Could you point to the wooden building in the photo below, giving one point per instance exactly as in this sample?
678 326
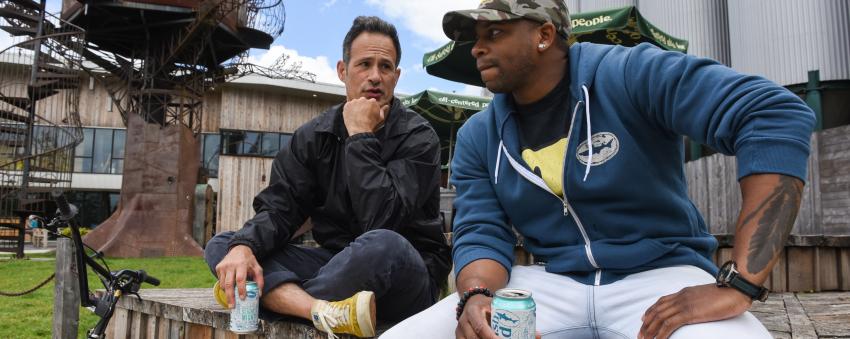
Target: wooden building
245 122
245 117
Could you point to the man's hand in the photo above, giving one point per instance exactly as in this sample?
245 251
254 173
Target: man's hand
474 322
235 266
363 115
691 305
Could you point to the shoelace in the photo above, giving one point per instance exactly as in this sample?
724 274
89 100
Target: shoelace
329 317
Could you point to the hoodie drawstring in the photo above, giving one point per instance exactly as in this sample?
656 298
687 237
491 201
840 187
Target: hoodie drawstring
589 134
498 160
589 138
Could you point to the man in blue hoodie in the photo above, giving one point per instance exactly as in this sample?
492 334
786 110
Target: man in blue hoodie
581 153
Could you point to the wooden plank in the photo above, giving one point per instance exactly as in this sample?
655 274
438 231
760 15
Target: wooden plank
66 292
718 196
212 111
138 325
801 326
733 194
724 254
779 274
836 135
152 331
829 312
844 269
698 187
163 328
772 315
827 269
805 223
800 269
268 109
178 330
122 323
196 331
241 179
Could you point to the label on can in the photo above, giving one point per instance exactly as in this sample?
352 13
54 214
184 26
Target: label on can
513 314
244 315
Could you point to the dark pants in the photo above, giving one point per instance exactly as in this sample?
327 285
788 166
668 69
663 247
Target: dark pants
380 261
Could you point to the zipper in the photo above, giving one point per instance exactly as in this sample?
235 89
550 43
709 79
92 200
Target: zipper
568 209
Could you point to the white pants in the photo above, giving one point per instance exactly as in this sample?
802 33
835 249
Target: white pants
568 309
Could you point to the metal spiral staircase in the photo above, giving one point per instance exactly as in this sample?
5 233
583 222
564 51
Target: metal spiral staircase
39 117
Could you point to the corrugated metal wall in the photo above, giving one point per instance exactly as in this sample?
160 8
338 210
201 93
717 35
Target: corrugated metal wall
704 23
784 39
580 6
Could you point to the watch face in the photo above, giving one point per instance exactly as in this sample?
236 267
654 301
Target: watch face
725 273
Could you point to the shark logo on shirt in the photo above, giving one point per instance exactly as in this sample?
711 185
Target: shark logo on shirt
605 146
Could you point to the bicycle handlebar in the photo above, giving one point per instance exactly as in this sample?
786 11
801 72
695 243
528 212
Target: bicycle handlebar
66 210
145 277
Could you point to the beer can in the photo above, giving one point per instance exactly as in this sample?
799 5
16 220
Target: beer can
244 315
513 314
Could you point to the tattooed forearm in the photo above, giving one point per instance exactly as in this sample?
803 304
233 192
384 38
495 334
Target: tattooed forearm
776 218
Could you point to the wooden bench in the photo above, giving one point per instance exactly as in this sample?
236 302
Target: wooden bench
192 313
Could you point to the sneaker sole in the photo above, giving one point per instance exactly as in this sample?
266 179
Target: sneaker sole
366 301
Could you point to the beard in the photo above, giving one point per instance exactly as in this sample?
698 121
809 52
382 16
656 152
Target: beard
513 75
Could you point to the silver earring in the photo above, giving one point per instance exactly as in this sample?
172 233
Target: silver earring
541 46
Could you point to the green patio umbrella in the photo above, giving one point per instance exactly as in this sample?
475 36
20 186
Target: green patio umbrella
620 26
446 112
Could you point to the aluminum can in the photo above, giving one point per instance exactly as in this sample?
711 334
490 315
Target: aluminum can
244 315
513 314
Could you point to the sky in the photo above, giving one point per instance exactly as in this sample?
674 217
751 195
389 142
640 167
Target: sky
315 29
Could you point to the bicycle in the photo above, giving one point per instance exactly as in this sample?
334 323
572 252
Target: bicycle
117 283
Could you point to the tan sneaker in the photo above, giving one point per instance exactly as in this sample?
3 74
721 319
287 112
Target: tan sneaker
355 315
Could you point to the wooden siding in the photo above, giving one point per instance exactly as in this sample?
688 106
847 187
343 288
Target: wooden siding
240 179
260 109
212 111
825 209
95 106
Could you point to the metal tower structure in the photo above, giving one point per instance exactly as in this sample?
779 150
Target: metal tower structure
39 119
156 59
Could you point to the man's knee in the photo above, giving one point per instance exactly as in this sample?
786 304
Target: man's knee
216 249
384 242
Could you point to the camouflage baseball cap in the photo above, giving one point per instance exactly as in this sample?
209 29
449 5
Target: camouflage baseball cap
460 25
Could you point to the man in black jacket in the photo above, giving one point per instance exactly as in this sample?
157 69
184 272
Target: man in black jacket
367 174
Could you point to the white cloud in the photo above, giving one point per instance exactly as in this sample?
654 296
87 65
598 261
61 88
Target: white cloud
425 18
324 69
6 40
328 4
472 90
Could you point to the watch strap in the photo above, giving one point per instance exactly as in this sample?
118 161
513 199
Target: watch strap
753 291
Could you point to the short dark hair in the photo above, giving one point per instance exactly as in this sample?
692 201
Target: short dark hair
371 24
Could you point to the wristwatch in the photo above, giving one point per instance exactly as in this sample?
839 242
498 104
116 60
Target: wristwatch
729 277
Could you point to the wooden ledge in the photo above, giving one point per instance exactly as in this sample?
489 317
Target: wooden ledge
191 313
728 240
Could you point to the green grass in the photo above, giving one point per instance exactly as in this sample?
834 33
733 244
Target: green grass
31 316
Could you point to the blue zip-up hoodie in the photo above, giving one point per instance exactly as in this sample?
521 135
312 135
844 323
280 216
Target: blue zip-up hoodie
626 208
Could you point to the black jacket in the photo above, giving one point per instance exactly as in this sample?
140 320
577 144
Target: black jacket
350 185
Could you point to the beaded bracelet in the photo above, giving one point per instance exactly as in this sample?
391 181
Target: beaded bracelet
468 294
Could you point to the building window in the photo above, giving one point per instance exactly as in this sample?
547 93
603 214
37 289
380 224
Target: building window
101 151
99 205
83 153
118 142
261 144
210 149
